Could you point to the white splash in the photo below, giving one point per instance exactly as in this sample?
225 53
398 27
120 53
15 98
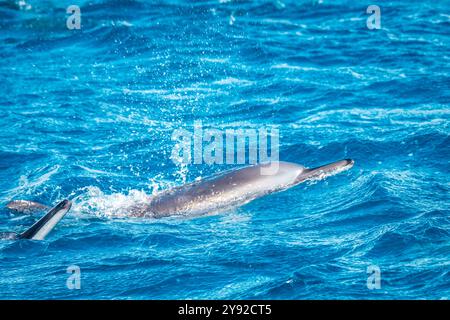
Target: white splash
92 200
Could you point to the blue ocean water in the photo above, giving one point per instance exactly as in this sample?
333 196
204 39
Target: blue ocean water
88 115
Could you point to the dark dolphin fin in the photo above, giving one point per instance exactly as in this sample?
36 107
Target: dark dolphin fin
41 228
326 170
25 206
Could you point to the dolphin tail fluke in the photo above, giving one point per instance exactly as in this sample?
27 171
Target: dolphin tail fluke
41 228
25 206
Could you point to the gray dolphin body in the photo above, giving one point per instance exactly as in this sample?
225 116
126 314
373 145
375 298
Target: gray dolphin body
232 189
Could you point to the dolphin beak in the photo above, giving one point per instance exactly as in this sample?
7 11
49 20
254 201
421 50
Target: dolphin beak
66 204
325 170
43 226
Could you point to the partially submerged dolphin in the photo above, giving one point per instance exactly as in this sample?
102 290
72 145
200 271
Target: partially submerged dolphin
232 189
43 226
214 194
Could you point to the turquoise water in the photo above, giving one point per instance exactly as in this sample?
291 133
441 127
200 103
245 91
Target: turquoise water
88 115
